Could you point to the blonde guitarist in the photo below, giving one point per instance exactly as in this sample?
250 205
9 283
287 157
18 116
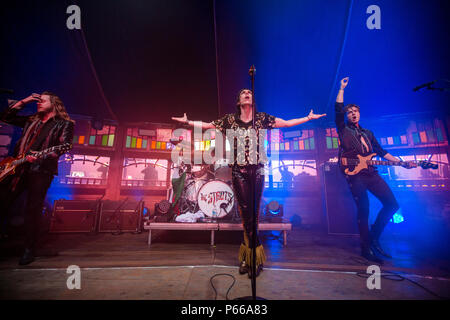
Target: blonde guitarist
357 142
49 129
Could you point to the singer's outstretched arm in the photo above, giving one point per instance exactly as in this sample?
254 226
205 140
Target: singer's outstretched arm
196 124
280 123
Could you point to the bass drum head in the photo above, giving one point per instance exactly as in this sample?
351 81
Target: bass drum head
216 199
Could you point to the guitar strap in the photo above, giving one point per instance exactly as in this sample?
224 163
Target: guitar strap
16 179
24 151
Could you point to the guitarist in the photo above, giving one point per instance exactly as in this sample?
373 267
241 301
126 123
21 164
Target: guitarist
356 140
49 126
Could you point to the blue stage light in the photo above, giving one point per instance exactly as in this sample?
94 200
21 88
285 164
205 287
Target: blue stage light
398 217
274 211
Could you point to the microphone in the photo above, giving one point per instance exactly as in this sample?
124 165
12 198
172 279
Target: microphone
252 70
424 85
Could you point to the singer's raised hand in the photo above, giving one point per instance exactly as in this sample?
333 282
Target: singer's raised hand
344 82
181 119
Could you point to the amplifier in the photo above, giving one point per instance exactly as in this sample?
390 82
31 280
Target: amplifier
121 216
74 216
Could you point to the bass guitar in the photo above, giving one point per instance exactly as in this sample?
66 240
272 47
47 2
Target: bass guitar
363 162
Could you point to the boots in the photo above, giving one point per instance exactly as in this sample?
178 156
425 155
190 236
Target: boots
243 268
27 258
370 255
375 246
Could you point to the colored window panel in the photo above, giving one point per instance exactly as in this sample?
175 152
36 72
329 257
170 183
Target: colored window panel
129 132
383 141
282 146
277 146
396 140
431 136
302 145
202 145
335 143
312 143
144 144
128 142
329 143
92 140
153 145
111 140
423 136
328 132
139 143
163 146
296 145
133 142
105 140
208 144
306 144
81 139
287 146
75 139
439 134
403 140
390 141
158 145
416 138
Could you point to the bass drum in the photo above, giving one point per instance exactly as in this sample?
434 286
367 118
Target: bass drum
216 199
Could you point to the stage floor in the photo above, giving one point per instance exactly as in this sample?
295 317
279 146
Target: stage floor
180 264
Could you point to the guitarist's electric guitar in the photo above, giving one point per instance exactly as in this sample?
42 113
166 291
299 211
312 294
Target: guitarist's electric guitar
9 165
363 162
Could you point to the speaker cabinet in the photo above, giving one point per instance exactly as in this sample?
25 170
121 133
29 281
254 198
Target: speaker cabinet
121 216
74 216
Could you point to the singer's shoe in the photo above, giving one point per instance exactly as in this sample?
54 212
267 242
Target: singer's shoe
377 248
370 255
27 258
258 270
243 268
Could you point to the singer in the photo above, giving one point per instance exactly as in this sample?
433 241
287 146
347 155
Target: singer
50 126
243 168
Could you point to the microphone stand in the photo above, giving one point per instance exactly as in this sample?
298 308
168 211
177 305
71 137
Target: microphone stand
252 72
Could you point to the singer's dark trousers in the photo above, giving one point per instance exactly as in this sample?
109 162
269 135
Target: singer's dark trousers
243 178
359 185
35 185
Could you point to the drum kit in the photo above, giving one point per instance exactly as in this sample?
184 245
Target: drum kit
208 190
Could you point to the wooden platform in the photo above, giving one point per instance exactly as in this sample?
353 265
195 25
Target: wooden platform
219 226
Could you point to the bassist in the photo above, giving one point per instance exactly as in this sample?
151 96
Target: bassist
50 126
355 140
